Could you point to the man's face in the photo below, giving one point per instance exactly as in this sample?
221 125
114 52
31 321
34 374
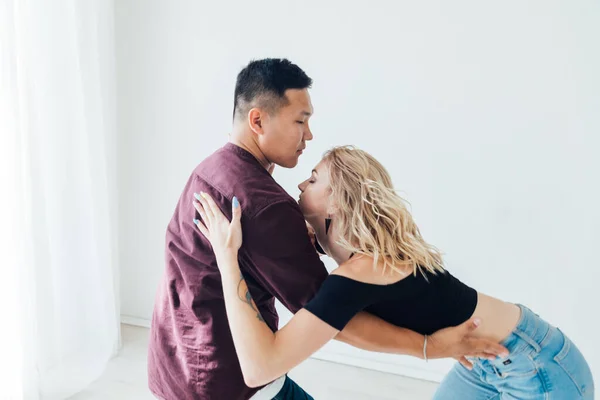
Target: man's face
285 133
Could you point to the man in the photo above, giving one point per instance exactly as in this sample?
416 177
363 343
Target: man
191 352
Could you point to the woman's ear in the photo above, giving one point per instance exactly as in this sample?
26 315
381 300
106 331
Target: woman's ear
331 209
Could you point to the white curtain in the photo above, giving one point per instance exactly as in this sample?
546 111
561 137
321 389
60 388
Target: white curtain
58 282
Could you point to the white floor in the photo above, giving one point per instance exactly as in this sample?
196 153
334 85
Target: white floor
125 378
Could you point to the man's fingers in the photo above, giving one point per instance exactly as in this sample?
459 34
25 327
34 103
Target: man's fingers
465 363
497 349
482 354
471 324
491 348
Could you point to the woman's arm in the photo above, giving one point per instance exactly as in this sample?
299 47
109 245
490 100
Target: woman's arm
264 355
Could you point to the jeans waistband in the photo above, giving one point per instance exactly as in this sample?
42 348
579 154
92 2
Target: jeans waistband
530 332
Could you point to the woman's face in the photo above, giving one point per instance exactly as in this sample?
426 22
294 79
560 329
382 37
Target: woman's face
314 195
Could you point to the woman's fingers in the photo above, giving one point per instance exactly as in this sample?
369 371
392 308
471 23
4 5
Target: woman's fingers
202 228
236 211
216 211
211 214
202 213
205 206
198 207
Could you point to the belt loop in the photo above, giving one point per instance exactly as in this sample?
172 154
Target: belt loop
528 339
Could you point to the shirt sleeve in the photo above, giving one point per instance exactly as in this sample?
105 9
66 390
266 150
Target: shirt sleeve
339 299
283 259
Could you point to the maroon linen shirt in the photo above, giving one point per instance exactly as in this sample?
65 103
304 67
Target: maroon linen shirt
191 353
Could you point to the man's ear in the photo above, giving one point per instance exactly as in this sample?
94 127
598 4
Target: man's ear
255 120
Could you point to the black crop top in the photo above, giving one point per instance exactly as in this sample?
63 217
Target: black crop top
415 303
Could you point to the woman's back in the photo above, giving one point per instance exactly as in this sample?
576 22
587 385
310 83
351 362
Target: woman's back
423 302
425 305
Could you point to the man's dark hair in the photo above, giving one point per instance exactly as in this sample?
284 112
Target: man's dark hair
263 84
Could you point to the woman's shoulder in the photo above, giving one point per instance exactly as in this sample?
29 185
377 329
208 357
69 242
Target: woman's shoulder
355 268
361 268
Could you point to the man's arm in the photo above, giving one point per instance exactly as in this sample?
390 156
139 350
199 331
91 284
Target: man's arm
371 333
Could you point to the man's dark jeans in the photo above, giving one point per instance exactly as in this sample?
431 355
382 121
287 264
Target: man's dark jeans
291 391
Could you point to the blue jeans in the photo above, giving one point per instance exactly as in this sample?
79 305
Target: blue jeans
291 391
543 364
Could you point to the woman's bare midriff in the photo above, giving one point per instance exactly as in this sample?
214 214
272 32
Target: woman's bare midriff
498 318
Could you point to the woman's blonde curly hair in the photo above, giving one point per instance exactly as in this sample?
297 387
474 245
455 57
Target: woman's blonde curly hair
371 218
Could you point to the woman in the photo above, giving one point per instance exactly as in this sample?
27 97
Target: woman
387 268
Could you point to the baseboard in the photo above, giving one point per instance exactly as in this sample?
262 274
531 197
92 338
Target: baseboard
135 321
391 368
339 358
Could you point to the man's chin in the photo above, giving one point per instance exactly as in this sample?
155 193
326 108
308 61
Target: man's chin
290 163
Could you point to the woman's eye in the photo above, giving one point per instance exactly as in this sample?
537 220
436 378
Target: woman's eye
300 122
311 181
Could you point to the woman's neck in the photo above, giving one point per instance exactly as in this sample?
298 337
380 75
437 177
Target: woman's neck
328 243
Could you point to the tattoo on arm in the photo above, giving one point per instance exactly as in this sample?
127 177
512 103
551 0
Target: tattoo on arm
247 298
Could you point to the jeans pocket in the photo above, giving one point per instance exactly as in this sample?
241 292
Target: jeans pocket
519 365
570 359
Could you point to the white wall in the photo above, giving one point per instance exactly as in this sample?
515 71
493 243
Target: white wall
486 115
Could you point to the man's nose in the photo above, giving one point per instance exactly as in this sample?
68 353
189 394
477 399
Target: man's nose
308 134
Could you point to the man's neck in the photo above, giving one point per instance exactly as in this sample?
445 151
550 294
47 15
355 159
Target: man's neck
246 142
